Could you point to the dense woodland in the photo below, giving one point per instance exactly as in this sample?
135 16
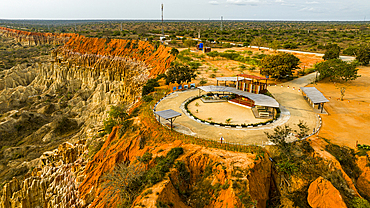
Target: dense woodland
305 36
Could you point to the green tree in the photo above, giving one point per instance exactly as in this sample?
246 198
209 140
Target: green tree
124 181
180 73
213 54
174 52
189 43
279 65
116 116
258 41
203 81
350 51
332 52
275 45
279 137
363 54
149 87
303 129
195 64
337 69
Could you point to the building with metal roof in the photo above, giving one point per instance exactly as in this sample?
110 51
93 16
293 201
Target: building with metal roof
233 79
170 115
258 99
314 97
252 83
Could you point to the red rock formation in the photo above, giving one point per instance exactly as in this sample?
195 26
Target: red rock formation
98 48
255 179
96 51
363 182
36 38
322 194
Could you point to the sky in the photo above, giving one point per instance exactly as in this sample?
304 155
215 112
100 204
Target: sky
309 10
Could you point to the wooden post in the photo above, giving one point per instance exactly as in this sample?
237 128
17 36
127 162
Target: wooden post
322 107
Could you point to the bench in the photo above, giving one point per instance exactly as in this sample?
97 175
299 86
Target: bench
264 114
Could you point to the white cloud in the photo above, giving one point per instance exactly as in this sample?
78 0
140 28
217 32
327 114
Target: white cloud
242 2
279 1
214 2
312 2
288 4
313 10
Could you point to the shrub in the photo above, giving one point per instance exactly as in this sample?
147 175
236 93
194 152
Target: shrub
146 158
147 98
116 116
287 167
358 202
125 181
164 164
346 157
149 86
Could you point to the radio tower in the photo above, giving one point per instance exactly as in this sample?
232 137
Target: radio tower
222 18
162 22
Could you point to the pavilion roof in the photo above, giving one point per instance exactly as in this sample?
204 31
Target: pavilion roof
168 114
252 76
234 79
314 95
259 99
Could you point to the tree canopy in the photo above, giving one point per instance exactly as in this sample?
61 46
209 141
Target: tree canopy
180 73
213 54
332 52
337 69
279 65
363 54
149 86
189 43
258 41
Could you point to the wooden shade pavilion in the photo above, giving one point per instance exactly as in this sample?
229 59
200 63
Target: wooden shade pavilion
314 97
251 83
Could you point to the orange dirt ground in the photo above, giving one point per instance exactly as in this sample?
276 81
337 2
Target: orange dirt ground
348 120
228 68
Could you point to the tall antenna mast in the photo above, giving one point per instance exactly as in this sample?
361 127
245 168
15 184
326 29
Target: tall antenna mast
162 22
222 18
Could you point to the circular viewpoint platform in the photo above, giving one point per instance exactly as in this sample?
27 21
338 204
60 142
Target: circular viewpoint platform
293 108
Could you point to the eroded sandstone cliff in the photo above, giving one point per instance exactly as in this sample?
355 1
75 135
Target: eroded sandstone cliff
66 98
35 38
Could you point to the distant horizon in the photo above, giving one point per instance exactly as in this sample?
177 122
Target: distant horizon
243 10
157 19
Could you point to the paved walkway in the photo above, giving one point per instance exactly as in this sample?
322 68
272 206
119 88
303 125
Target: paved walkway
294 108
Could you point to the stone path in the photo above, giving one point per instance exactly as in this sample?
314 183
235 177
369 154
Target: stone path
294 108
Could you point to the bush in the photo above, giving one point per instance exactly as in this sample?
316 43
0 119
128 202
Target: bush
346 157
147 98
149 86
287 167
146 158
358 202
164 164
125 181
116 116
